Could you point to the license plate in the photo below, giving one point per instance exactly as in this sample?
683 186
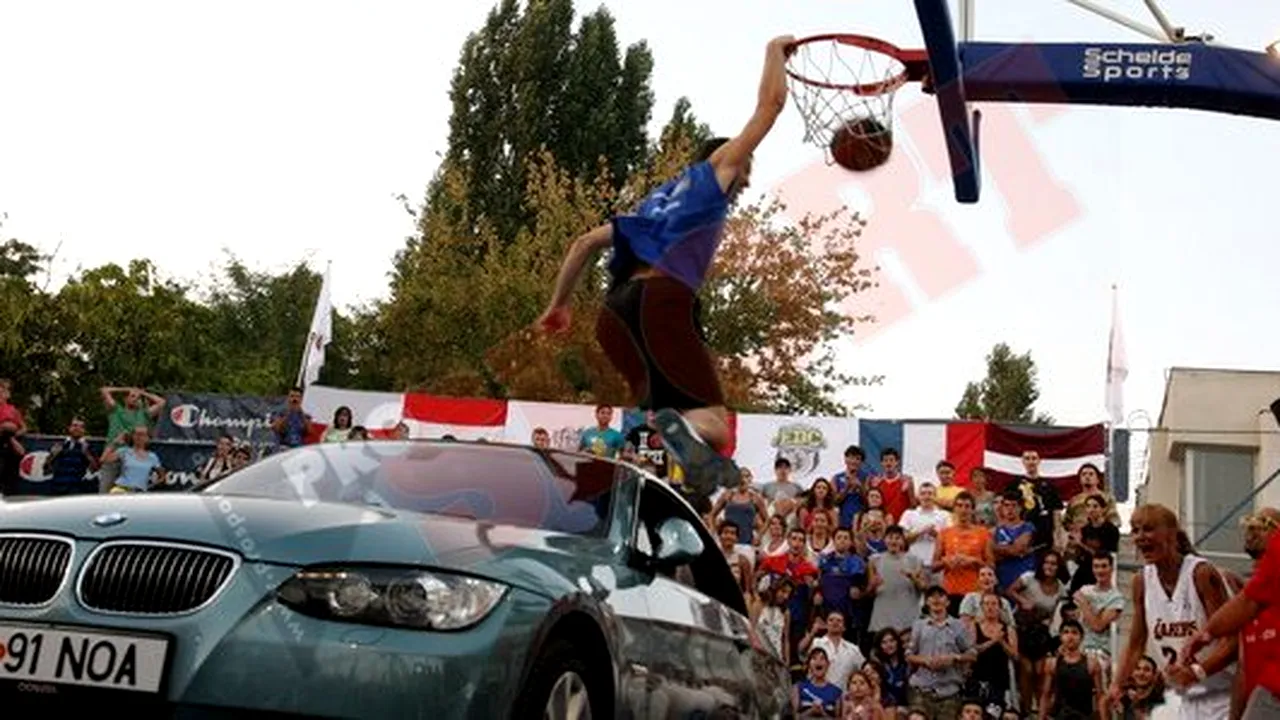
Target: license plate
30 654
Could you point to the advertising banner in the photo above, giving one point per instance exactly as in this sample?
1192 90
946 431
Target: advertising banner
563 421
206 417
814 445
181 458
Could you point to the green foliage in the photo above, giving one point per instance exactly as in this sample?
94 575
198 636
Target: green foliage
684 127
19 261
241 332
547 140
527 80
1007 394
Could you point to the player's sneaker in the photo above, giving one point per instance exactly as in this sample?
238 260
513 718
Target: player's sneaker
705 469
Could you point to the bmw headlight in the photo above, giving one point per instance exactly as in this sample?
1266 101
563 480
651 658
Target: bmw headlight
389 596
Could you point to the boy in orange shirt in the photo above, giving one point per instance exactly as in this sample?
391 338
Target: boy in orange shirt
962 549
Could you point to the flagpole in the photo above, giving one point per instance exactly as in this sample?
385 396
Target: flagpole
306 349
1111 420
1112 402
306 355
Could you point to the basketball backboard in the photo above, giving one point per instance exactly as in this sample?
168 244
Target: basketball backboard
1174 70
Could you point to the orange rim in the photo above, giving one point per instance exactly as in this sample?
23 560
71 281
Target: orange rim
914 63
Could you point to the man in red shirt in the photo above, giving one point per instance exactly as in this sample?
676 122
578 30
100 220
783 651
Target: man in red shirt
794 564
897 490
10 416
1255 614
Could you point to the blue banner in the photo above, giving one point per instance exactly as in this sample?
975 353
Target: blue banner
181 458
202 416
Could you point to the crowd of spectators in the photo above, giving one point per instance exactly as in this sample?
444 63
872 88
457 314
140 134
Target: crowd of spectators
885 595
127 462
893 596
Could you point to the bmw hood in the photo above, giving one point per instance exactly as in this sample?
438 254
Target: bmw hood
298 534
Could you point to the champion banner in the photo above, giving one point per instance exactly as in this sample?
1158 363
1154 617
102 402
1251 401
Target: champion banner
182 458
206 417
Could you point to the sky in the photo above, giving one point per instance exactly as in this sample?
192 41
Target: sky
282 131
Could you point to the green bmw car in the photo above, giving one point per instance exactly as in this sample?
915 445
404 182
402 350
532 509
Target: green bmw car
381 580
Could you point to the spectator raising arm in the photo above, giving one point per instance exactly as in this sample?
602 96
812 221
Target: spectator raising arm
155 403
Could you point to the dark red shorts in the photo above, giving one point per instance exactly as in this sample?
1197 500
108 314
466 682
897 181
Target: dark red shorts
650 331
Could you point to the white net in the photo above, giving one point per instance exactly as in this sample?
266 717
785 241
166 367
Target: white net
837 84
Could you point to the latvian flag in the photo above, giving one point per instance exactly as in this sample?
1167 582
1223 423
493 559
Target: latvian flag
997 448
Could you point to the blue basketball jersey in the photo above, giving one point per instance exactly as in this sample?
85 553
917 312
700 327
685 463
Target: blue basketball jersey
676 229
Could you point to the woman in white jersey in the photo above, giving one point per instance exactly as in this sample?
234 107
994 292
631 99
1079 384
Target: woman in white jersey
1173 598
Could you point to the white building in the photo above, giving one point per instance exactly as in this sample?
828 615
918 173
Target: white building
1216 440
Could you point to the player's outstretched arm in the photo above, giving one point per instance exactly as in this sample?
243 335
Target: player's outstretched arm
556 316
729 159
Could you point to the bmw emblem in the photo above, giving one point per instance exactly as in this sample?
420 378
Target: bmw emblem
109 519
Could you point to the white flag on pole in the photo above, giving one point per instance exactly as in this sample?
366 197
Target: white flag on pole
1117 365
320 335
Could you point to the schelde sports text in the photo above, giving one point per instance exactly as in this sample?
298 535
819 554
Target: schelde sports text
1109 64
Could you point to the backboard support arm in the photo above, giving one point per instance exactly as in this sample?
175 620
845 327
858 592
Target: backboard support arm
1119 19
1174 34
967 19
946 81
1165 33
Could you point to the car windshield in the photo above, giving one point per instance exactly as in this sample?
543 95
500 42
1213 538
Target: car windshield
501 484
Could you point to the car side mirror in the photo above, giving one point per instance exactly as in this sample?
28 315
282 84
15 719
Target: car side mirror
678 543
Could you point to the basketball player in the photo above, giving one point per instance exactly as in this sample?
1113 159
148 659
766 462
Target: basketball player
650 327
1173 598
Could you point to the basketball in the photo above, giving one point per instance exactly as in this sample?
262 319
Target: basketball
862 144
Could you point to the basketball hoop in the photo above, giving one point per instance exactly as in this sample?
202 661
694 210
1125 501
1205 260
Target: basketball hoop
843 86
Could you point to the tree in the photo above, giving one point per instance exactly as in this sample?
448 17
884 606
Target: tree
683 127
457 326
239 331
33 335
275 309
527 81
547 139
1007 394
20 261
133 326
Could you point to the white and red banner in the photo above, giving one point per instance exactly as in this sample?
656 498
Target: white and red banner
814 445
462 418
564 422
378 412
